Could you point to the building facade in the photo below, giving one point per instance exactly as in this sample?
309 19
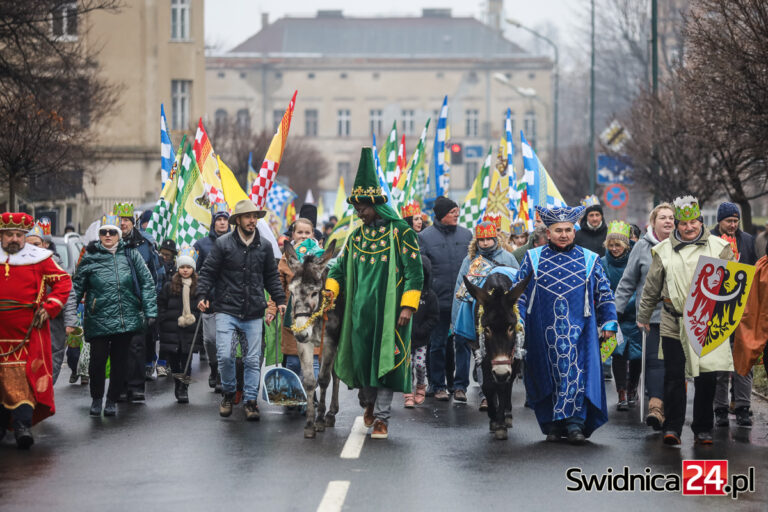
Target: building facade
356 76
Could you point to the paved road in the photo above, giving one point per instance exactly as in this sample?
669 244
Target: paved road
438 457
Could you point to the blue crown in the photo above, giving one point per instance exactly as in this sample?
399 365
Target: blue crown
219 208
111 221
187 252
590 201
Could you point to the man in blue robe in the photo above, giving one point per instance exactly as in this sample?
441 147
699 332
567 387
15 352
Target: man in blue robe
567 309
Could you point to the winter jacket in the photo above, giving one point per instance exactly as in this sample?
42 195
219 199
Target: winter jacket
614 269
426 317
107 283
446 248
632 281
761 243
169 309
590 238
519 253
235 276
745 243
203 247
146 248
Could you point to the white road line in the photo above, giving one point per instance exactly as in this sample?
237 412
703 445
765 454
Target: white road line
334 496
354 444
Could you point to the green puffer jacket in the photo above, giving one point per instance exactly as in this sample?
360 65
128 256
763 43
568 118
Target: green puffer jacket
105 280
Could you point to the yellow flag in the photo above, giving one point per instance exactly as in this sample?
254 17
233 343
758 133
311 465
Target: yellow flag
341 200
233 192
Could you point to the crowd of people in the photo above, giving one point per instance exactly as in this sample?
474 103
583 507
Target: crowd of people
136 310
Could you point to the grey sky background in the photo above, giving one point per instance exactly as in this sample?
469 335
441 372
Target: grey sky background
229 22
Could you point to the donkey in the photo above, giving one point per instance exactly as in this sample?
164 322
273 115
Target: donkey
307 300
496 322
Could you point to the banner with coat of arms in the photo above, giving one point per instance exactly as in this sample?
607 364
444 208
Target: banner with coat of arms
715 302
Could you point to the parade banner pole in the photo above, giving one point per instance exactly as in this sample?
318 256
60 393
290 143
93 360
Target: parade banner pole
641 397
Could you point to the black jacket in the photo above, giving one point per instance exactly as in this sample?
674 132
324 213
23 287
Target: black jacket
146 248
169 309
235 275
745 243
592 239
445 247
426 317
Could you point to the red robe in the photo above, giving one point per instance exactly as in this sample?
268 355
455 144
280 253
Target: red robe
26 375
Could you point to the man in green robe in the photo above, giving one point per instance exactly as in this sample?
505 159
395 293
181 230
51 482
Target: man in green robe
380 274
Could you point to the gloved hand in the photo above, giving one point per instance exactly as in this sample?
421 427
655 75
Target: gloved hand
41 316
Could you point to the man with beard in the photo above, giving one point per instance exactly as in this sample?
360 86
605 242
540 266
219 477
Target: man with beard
26 380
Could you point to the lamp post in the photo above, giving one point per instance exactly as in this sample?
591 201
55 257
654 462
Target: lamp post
592 169
524 92
557 78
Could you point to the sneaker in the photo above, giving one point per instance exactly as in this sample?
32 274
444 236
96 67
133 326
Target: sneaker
212 379
721 417
379 430
704 438
460 396
24 437
743 418
73 378
671 438
251 410
409 401
182 395
110 408
238 397
442 395
632 397
622 404
368 417
218 388
95 407
162 371
225 407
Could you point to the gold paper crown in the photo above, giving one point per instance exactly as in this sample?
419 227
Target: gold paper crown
411 209
687 208
518 228
219 207
123 210
494 218
590 201
189 252
618 227
485 229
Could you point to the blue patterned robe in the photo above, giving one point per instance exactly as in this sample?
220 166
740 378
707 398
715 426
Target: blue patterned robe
565 305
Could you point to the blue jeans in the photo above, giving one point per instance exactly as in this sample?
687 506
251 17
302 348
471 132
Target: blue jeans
293 363
229 332
437 345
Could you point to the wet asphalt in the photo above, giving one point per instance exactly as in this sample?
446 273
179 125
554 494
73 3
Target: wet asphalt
161 455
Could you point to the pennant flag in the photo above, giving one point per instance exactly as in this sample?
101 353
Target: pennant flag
166 148
278 199
233 192
309 198
320 208
382 178
252 174
271 163
389 155
163 220
341 200
512 189
417 162
441 155
401 165
540 187
477 198
207 165
290 213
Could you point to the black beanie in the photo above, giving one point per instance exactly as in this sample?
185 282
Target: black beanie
594 208
309 212
442 206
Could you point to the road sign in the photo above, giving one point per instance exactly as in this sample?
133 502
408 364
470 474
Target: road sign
613 170
615 136
616 196
475 151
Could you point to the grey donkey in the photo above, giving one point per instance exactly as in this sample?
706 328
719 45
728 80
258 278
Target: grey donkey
307 300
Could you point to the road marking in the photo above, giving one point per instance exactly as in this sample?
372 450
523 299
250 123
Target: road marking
334 496
354 444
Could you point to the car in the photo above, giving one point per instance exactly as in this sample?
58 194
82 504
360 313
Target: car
68 248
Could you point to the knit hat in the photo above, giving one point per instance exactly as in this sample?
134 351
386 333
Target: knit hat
187 256
593 208
145 216
169 245
726 210
618 230
367 189
442 206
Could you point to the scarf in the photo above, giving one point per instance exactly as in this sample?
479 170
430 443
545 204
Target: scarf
187 318
490 252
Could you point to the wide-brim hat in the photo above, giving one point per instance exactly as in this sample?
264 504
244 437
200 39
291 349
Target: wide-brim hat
367 189
245 206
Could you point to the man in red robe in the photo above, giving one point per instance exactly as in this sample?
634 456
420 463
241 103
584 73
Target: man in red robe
26 382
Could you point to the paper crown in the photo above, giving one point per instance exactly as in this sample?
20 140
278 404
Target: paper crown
37 231
687 208
187 256
518 228
590 201
123 210
219 207
485 229
16 220
619 230
45 225
411 209
110 221
494 218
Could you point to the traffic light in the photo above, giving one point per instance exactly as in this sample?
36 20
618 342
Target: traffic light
457 153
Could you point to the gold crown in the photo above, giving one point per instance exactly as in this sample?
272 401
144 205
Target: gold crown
485 230
411 209
494 218
17 220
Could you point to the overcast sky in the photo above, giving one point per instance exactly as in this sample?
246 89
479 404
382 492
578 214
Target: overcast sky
230 22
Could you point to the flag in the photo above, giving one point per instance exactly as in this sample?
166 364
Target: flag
477 198
252 174
271 163
207 164
163 220
278 199
309 198
389 155
401 163
417 162
320 208
290 213
540 187
194 215
512 191
166 148
382 177
233 192
441 175
341 200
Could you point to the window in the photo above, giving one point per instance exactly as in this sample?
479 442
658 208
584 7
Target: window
310 76
472 116
180 99
345 170
243 75
179 20
531 76
64 21
529 128
221 74
277 118
310 122
343 75
343 122
470 173
220 119
377 121
408 123
244 120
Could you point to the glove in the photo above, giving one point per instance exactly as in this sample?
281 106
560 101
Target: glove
41 316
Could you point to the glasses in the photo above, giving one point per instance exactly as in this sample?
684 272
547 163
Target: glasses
108 232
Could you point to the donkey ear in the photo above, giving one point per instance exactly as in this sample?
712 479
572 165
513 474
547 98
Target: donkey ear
328 254
511 296
476 292
290 257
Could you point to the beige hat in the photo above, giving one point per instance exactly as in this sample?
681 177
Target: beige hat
245 206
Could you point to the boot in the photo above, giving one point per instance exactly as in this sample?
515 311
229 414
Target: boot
182 395
23 436
176 384
743 418
110 408
655 417
622 405
95 407
632 397
213 378
225 408
721 417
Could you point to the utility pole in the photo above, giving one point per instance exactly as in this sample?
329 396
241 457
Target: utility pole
592 107
655 87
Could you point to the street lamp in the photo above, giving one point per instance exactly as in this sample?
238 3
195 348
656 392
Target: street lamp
517 24
524 92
